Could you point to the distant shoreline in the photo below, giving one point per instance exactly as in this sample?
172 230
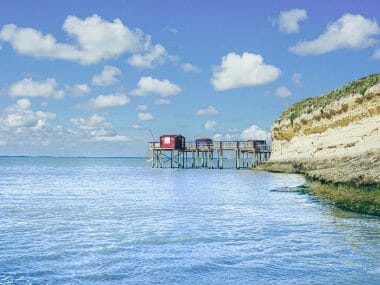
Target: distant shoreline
53 156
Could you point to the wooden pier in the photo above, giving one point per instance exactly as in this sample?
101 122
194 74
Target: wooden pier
245 154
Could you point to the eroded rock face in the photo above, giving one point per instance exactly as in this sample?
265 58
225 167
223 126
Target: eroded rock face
345 132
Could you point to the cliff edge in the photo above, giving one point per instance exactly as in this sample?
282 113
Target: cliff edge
332 138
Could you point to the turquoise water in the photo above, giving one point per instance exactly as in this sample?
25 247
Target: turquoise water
118 221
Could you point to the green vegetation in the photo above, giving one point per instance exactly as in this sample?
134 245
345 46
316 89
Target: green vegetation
308 105
365 200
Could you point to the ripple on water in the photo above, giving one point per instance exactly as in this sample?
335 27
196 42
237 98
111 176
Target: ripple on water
115 221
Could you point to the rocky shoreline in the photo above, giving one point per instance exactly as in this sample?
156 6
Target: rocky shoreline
334 140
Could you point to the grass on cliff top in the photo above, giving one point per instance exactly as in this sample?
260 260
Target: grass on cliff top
307 106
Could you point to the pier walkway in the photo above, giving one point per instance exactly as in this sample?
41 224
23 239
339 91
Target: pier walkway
244 154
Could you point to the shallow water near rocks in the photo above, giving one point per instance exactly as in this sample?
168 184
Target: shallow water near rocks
118 221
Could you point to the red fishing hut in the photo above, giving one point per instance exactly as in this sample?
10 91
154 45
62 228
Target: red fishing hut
172 142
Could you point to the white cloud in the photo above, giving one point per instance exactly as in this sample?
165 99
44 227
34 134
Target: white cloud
209 125
115 138
188 67
106 101
162 101
238 71
156 55
297 78
225 137
288 21
97 128
283 92
27 87
141 107
94 39
20 118
137 127
209 111
107 77
94 125
254 132
79 89
22 126
145 116
376 54
350 31
217 137
148 85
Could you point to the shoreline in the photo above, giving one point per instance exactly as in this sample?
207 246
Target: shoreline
363 198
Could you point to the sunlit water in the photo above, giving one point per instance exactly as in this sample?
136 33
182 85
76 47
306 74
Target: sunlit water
118 221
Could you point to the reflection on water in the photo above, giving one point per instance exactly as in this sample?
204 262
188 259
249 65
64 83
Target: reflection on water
113 221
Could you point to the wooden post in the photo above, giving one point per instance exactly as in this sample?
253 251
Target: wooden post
221 158
239 155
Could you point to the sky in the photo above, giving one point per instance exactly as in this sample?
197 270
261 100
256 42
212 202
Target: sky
92 78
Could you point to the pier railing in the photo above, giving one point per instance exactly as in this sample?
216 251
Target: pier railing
220 145
210 154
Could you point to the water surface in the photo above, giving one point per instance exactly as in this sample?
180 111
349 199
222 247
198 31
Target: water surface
118 221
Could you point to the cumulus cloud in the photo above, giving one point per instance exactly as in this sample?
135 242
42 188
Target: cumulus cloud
141 107
94 39
107 77
78 89
225 136
238 71
283 92
154 56
20 118
288 21
27 87
188 67
254 132
145 116
97 128
297 78
350 31
23 127
106 101
162 101
209 111
148 85
210 125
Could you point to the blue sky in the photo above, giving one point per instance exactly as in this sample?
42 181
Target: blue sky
90 78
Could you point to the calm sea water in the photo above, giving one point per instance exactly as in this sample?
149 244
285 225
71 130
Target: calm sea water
118 221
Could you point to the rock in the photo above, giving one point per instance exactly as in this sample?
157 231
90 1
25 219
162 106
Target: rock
335 137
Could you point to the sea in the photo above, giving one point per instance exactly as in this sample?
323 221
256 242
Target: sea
119 221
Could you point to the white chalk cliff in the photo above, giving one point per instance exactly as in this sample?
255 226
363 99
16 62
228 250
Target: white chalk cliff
335 138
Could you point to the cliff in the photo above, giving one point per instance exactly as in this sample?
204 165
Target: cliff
334 137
